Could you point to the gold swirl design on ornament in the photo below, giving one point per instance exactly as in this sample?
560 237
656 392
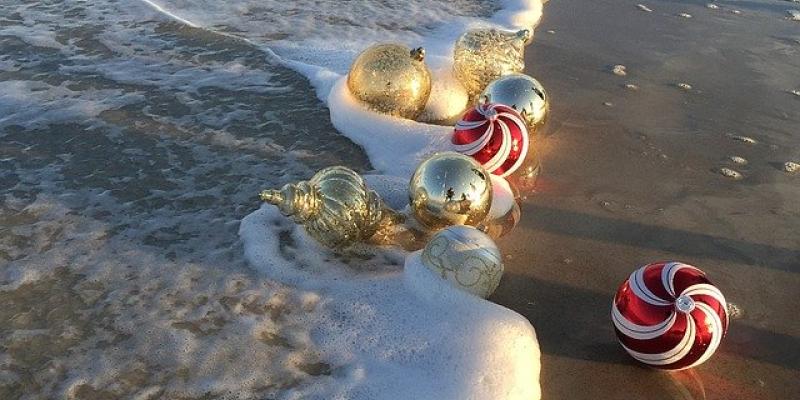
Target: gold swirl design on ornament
478 271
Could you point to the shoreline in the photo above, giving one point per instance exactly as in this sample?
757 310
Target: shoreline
637 180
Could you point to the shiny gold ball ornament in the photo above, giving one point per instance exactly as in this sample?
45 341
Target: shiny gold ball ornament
522 93
392 79
450 189
335 206
465 257
483 55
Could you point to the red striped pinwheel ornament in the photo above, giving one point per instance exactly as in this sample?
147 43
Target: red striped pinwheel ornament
495 135
668 315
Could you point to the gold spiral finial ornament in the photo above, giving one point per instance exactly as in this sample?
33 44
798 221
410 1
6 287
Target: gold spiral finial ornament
392 79
335 206
483 55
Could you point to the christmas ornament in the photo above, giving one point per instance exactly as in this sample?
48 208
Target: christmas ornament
669 316
450 189
522 93
505 212
465 257
495 135
335 206
483 55
391 79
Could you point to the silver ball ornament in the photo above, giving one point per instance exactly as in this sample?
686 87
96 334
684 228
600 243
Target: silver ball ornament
522 93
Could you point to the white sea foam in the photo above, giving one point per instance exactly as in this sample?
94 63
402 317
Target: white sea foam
184 76
35 104
395 146
395 334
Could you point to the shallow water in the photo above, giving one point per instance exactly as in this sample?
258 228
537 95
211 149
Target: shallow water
130 151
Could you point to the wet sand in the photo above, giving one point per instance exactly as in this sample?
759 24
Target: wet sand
638 180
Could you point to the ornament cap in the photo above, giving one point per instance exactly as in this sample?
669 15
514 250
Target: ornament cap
418 54
526 35
684 304
271 196
297 200
491 115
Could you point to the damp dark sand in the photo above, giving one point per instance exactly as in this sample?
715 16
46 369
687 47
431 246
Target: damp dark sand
638 180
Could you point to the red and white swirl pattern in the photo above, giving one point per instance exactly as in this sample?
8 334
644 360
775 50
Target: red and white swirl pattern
495 135
668 315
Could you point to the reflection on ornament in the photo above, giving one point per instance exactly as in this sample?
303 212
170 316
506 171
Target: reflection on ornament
505 211
335 206
524 180
391 79
668 315
495 135
483 55
450 189
522 93
466 258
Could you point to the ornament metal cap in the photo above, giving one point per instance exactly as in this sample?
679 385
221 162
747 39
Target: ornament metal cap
298 200
526 35
684 304
418 53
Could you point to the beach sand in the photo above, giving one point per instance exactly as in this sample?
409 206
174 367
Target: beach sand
132 147
638 180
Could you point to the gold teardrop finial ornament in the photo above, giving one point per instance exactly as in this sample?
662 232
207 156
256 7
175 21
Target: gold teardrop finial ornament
392 79
483 55
335 206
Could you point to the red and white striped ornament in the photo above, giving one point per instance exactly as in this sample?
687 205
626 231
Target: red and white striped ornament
495 135
668 315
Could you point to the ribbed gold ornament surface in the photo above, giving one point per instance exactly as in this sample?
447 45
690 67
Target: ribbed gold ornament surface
483 55
450 189
335 206
522 93
391 79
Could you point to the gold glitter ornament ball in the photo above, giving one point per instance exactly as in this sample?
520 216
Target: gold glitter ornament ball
483 55
450 189
392 79
335 206
465 257
522 93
